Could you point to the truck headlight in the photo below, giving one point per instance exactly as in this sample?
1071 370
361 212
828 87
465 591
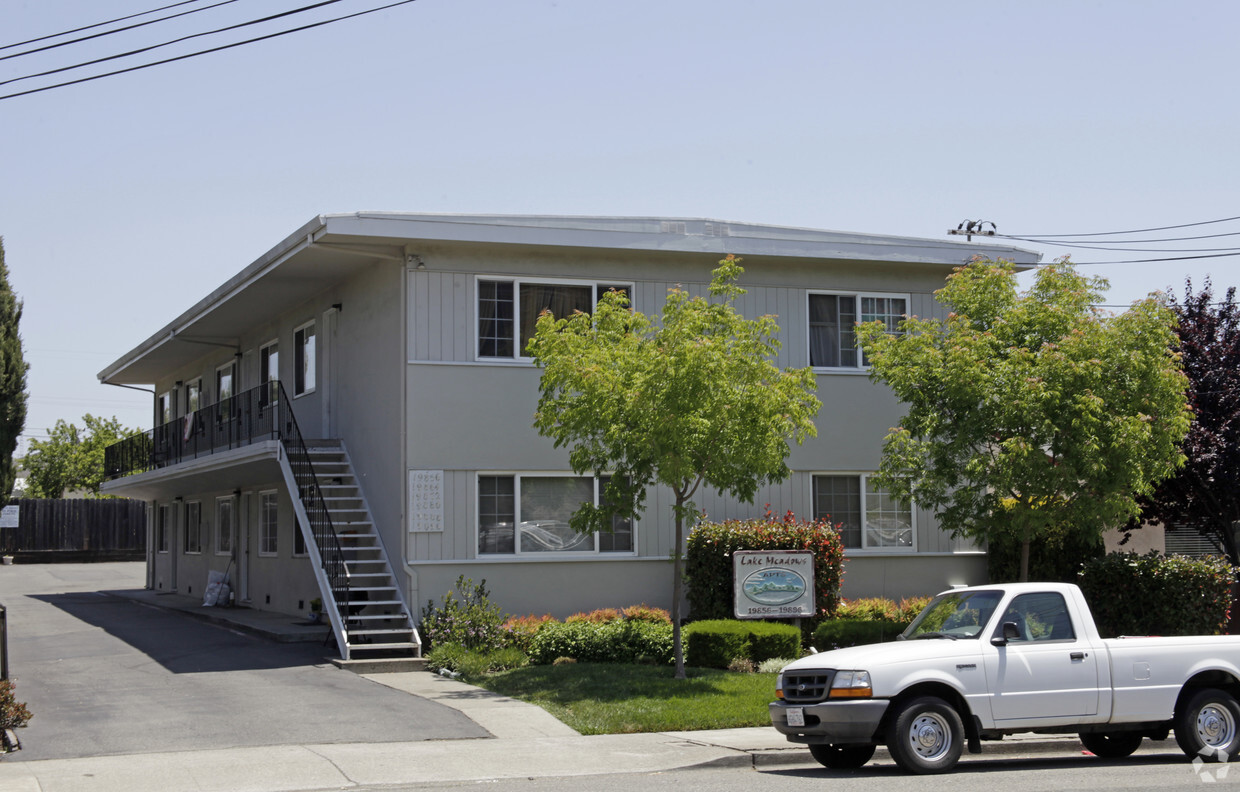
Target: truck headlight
779 686
851 684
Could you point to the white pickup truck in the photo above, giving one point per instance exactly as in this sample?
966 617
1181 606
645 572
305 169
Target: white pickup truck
985 661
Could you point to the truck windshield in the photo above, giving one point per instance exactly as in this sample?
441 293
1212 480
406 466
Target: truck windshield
954 615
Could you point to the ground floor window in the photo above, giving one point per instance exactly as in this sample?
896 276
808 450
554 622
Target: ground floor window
268 523
529 515
224 526
193 527
163 519
870 517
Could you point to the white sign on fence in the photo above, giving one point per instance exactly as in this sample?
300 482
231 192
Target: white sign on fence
10 517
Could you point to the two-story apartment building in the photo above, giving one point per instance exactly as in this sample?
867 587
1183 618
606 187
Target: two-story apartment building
349 417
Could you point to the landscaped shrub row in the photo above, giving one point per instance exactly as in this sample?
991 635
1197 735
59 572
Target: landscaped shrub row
1131 594
617 641
839 633
717 643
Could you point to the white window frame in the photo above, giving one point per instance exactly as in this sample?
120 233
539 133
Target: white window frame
518 352
165 408
857 297
592 554
263 526
307 383
863 484
219 522
163 520
192 506
193 386
264 357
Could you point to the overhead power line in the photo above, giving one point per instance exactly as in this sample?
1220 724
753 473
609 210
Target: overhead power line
206 51
97 24
107 32
1136 231
131 53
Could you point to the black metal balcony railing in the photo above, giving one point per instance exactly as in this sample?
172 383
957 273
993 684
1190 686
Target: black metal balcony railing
262 413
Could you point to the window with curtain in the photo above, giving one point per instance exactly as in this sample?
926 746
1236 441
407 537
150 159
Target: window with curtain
529 515
508 310
832 317
869 517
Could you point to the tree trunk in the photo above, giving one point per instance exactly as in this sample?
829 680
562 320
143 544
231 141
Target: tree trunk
1024 558
677 584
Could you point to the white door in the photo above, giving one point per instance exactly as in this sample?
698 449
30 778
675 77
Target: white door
1049 671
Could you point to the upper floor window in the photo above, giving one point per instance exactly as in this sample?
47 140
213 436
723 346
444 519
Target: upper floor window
165 408
225 389
303 359
832 317
520 515
871 518
508 310
193 395
269 373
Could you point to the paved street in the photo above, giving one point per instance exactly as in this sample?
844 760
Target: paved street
104 675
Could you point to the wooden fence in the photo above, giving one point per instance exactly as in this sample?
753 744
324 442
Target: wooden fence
76 529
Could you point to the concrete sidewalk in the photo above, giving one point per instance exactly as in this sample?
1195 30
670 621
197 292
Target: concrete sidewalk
525 741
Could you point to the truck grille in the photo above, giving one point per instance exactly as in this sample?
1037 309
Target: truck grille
807 688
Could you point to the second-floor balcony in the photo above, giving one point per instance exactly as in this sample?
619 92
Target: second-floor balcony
253 416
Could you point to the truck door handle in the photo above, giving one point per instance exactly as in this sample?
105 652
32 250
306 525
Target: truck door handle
1077 655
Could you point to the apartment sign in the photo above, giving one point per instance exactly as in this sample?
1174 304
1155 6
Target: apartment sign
773 584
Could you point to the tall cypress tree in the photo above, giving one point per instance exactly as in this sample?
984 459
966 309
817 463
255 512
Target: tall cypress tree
12 379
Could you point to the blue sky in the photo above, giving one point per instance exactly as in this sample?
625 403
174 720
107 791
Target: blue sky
127 199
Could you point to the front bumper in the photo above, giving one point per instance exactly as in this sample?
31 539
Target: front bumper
831 722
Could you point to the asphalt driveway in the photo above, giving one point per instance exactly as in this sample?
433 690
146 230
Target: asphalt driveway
106 675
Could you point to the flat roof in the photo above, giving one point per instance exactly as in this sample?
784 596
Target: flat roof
325 249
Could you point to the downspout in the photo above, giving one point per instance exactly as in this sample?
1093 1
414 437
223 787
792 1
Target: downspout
411 576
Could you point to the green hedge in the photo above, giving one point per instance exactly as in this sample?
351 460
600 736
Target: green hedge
708 563
839 633
1053 558
716 643
620 641
1131 594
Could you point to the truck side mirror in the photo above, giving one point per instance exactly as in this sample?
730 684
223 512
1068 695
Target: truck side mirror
1010 632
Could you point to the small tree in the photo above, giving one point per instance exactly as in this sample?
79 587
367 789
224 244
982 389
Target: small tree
1205 493
689 401
1030 411
12 378
71 458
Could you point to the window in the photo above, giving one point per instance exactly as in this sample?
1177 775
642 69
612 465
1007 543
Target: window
508 310
870 517
193 395
268 525
163 520
224 389
224 526
832 340
303 359
1039 617
193 527
269 373
525 515
164 408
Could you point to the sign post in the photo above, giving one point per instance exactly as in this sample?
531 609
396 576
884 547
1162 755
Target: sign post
773 584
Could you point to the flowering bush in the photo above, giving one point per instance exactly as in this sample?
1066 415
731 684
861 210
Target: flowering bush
13 713
600 616
709 559
520 630
645 613
472 621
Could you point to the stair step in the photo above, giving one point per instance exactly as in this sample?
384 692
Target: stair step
373 646
383 631
379 617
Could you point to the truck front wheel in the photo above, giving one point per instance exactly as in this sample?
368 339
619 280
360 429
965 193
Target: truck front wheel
842 757
1208 726
926 736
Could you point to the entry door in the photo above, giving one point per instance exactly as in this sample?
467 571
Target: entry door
1049 671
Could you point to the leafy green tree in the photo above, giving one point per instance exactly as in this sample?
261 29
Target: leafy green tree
690 400
1033 411
71 458
12 377
1205 493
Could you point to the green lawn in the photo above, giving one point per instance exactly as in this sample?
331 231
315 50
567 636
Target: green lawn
598 698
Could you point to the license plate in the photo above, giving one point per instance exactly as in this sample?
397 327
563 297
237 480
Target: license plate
796 716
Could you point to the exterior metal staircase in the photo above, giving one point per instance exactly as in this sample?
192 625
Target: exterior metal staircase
377 622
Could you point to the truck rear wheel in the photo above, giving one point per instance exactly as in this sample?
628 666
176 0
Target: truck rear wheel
1111 745
1208 726
926 736
842 757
